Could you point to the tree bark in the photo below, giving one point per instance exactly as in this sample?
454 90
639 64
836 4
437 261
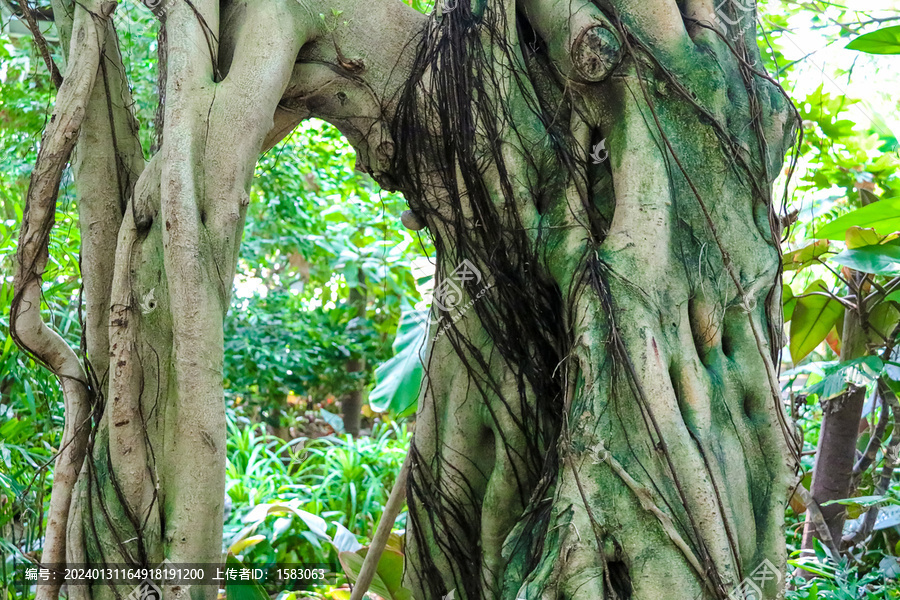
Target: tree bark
160 253
73 109
606 421
835 456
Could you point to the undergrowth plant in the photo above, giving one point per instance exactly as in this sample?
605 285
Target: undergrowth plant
291 500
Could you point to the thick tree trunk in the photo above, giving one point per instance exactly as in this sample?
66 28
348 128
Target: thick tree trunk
160 249
161 245
605 422
602 418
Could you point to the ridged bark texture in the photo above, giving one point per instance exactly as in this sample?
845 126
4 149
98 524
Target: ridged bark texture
604 421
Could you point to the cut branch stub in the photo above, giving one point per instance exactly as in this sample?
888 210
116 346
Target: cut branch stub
412 221
595 53
579 38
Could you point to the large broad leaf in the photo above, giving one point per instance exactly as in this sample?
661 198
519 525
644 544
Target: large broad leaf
400 378
882 321
883 216
881 41
345 540
388 574
880 260
813 318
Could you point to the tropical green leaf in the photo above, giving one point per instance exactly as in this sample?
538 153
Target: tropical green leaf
857 237
861 371
860 500
315 523
388 574
881 41
345 540
882 216
880 260
242 590
803 257
882 321
813 318
788 302
400 378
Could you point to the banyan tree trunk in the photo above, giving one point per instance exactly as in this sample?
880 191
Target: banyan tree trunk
601 417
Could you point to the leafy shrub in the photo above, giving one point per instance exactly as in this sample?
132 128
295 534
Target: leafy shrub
291 499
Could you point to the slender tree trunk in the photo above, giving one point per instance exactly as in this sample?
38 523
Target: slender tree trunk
832 477
835 457
351 404
833 474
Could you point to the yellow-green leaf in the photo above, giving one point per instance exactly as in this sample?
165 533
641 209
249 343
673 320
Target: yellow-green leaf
881 41
788 302
395 542
813 318
245 543
388 574
857 237
805 256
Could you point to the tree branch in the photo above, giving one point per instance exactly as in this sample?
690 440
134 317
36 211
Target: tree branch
394 504
39 40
